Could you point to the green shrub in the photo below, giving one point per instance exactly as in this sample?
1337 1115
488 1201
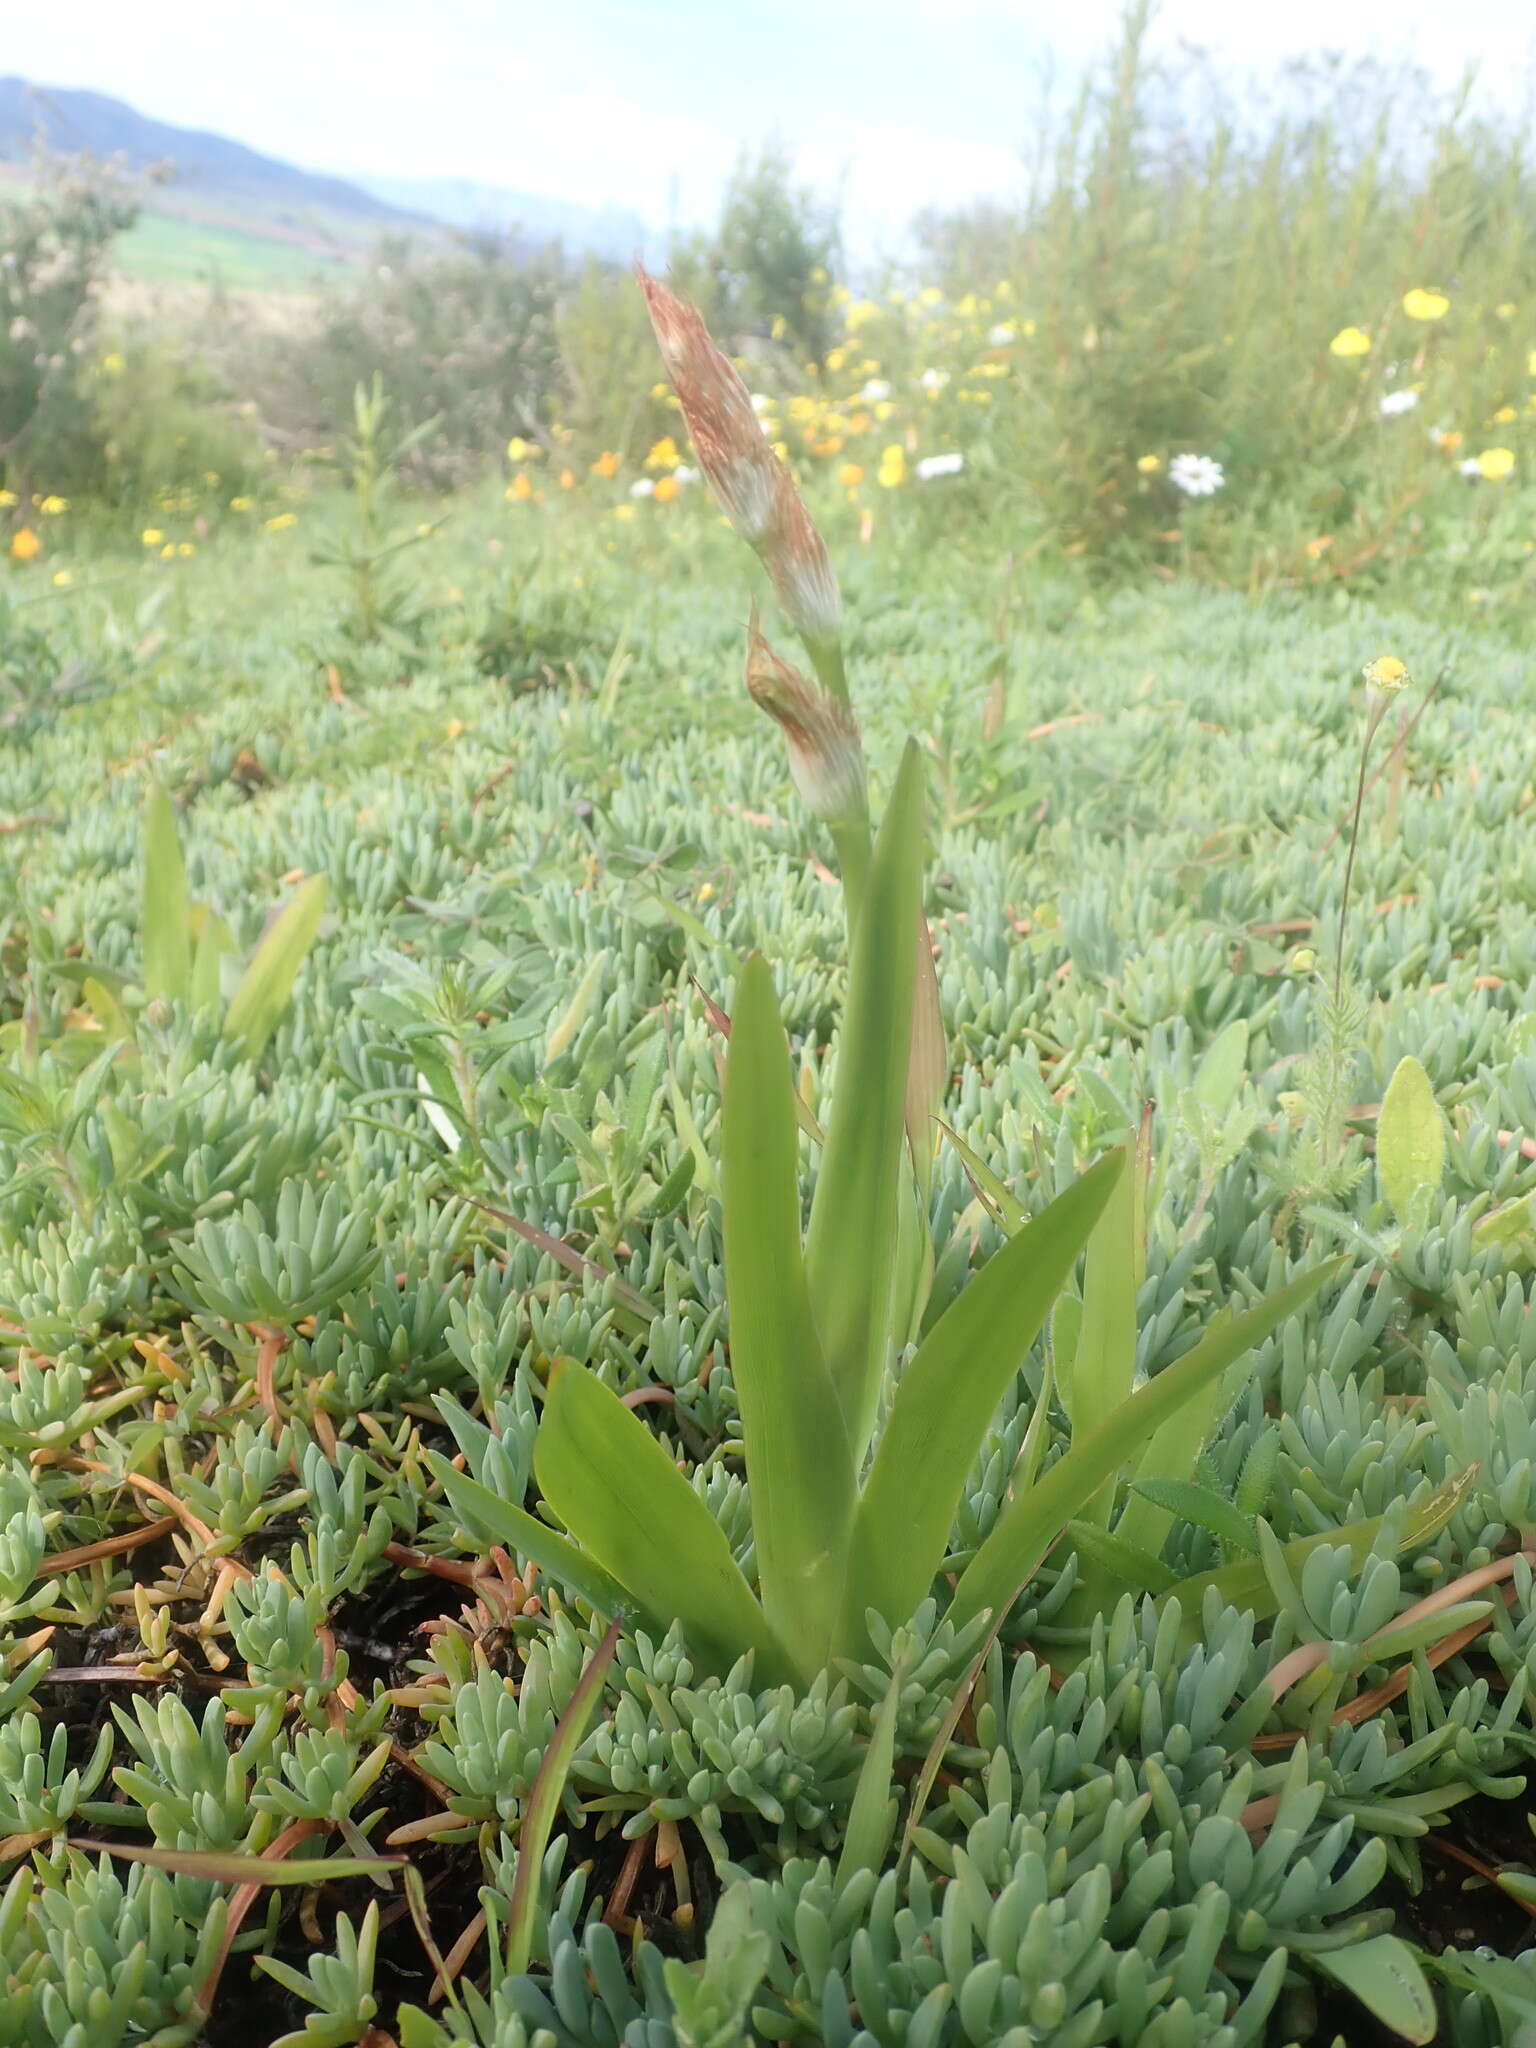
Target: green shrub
461 331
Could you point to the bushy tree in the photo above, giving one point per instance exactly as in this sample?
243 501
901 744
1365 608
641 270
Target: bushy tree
55 235
773 254
458 330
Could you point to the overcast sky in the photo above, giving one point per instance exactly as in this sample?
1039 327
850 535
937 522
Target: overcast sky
644 103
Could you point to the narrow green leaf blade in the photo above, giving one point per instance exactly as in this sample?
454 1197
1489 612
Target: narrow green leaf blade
167 937
851 1244
1244 1584
871 1818
948 1395
628 1506
1102 1371
799 1462
214 940
1171 1454
1222 1072
1188 1502
1005 1205
544 1801
1031 1522
1124 1564
219 1866
1384 1974
273 968
487 1515
1410 1140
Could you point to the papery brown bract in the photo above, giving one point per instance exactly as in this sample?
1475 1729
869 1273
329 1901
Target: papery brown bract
826 755
755 489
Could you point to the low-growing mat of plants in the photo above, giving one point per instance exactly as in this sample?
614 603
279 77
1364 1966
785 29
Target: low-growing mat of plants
591 1454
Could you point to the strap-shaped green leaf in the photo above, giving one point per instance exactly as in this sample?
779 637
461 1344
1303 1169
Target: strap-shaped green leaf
948 1395
273 968
872 1816
1102 1370
1244 1583
851 1245
799 1463
631 1510
1208 1510
487 1515
1384 1973
1031 1522
167 938
543 1805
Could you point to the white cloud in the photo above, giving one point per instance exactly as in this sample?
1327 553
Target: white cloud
896 103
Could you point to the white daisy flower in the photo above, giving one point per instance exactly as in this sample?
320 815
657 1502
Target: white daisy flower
875 390
642 487
1394 402
933 381
938 465
761 403
684 475
1471 469
1000 335
1197 476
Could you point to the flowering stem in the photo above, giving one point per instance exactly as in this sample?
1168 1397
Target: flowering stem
827 660
1373 719
853 851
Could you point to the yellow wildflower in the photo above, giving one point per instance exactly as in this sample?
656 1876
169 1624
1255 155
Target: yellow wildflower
836 357
240 504
1496 463
25 545
280 522
520 490
51 507
664 454
1149 465
665 491
1319 547
607 464
1350 341
1506 311
62 579
112 365
151 537
1504 415
859 314
567 479
893 466
1424 304
9 497
519 450
185 548
851 474
168 552
625 511
1386 672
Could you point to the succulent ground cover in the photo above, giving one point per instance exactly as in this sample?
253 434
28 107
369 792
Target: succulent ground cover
312 1197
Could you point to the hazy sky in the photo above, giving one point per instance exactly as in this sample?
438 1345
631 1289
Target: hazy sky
902 103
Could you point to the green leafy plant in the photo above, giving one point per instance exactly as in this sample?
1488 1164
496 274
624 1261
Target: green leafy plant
385 608
818 1315
186 946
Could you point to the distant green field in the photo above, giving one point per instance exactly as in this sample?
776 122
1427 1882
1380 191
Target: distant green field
168 249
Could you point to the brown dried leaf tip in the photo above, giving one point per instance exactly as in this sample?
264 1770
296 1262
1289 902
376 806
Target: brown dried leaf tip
755 490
